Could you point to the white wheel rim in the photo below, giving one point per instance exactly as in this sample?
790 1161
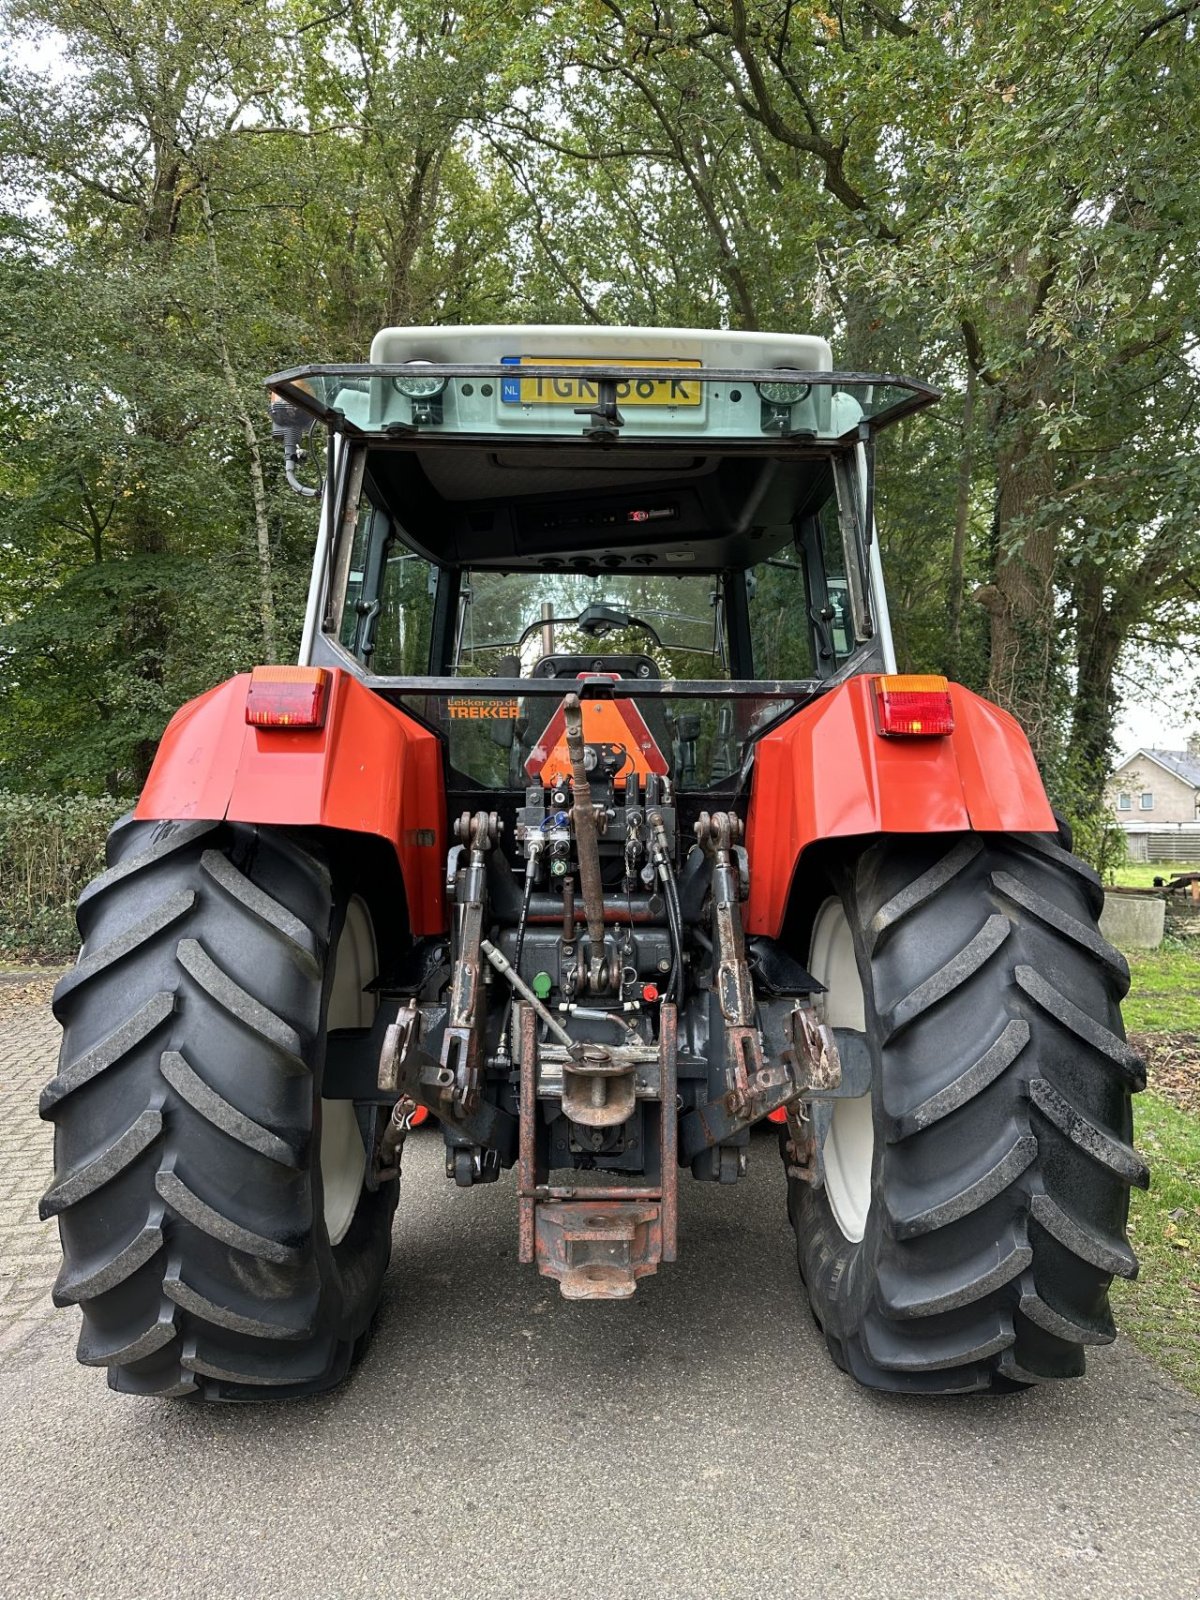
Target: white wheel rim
850 1143
343 1154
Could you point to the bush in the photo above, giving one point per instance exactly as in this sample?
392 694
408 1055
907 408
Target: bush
1098 840
50 847
1102 845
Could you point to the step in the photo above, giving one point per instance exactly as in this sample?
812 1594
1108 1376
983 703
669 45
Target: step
597 1282
598 1249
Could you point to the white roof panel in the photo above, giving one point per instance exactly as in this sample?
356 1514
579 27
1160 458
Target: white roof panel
491 342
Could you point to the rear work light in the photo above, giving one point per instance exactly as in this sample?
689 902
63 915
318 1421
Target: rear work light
913 703
287 697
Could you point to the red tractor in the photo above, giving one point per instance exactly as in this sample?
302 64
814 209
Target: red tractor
595 821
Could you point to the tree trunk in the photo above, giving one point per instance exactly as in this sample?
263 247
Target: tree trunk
1020 596
258 486
962 511
258 491
1099 639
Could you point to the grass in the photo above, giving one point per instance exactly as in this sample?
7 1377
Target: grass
1165 993
1141 874
1160 1310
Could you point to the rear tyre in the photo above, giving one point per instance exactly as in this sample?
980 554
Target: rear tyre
218 1231
973 1209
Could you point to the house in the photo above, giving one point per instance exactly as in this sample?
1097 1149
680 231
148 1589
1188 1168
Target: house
1156 787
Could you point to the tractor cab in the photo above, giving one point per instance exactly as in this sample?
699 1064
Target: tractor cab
683 516
599 566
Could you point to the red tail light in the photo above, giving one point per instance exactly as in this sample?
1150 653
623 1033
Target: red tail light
778 1115
287 697
419 1116
913 703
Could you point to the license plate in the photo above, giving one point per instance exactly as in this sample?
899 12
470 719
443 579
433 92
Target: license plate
579 391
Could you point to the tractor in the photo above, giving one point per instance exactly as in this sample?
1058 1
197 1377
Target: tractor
596 825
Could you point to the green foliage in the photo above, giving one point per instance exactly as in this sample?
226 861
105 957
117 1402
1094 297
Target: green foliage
1141 874
195 195
1004 201
1094 836
50 848
1164 994
1160 1310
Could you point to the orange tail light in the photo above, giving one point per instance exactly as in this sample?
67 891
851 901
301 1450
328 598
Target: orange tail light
287 697
910 704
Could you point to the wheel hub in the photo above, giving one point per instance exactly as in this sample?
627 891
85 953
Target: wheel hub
850 1142
343 1154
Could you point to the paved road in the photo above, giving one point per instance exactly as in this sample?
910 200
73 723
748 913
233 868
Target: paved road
500 1442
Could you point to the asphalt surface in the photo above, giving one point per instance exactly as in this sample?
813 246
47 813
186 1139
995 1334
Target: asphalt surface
498 1441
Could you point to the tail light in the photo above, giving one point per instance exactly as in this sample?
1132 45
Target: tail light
778 1115
913 704
287 697
419 1116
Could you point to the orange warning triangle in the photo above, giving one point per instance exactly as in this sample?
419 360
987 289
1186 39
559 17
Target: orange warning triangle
604 722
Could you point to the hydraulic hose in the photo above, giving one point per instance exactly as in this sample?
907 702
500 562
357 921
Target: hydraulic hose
662 861
530 874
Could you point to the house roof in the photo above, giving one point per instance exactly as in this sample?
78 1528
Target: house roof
1178 762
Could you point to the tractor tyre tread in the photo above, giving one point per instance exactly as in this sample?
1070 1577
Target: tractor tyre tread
186 1187
1003 1154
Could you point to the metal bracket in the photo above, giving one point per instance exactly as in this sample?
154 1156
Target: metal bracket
817 1049
597 1241
606 420
598 1249
399 1041
407 1070
718 836
598 1087
462 1042
812 1058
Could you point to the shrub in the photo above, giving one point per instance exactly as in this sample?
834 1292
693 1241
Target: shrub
50 847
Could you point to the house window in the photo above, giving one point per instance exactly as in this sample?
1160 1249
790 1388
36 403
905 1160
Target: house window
1147 801
1124 802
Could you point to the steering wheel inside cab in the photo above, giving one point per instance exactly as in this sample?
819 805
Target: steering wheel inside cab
596 621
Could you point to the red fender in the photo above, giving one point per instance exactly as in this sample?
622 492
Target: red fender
368 769
827 773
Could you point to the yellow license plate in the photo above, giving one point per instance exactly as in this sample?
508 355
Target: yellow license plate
579 391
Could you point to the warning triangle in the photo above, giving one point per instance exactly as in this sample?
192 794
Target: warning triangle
616 722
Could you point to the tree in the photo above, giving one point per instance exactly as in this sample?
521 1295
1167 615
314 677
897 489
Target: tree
1007 194
1000 199
224 190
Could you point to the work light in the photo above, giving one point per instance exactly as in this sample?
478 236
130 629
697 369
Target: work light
784 394
418 388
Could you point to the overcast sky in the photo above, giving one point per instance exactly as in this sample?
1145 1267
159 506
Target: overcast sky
1162 702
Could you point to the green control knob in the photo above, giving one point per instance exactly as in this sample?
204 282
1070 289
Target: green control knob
542 985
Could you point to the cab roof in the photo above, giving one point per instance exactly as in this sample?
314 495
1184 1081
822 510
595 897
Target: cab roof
488 342
530 443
